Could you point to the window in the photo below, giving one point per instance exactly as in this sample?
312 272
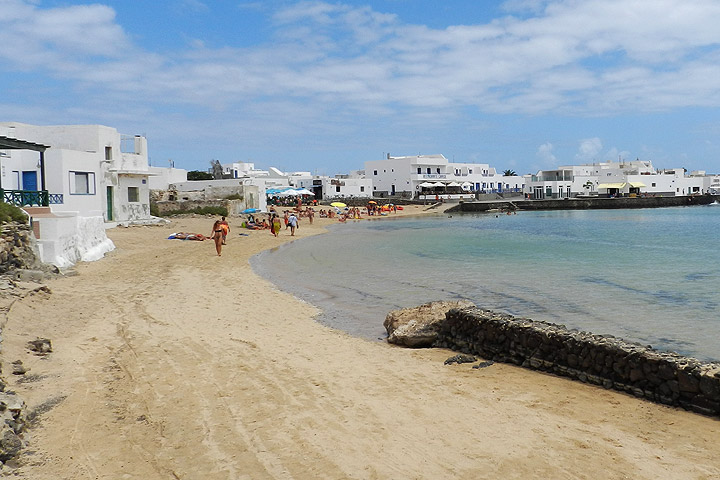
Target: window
374 172
438 169
362 188
337 189
428 170
82 183
470 171
419 169
653 184
133 194
108 153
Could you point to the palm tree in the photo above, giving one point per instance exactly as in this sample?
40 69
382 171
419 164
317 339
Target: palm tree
509 173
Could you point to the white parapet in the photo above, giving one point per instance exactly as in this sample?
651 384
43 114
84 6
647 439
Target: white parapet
67 238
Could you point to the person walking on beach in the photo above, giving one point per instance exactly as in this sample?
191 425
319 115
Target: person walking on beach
293 223
225 228
275 224
217 235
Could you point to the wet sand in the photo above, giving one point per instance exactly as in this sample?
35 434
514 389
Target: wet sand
170 362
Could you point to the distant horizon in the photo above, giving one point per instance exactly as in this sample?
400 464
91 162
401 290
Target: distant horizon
323 86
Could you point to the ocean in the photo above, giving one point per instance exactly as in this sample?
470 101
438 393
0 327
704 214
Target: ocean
647 275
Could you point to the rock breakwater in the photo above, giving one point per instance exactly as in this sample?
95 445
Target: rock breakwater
663 377
604 360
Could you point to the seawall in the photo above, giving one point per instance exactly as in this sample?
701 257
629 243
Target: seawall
604 360
585 203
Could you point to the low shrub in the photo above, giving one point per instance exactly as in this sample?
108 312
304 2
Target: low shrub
11 213
219 211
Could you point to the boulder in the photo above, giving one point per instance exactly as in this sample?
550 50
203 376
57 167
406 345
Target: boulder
417 327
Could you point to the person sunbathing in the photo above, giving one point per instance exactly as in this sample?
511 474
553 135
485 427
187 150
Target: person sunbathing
188 236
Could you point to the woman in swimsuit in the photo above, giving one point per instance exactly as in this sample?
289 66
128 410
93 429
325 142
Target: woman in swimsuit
217 235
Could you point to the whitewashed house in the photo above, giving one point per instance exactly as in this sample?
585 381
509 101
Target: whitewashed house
622 178
352 185
88 175
419 176
161 177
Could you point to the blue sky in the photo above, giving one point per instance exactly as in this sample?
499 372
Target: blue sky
326 86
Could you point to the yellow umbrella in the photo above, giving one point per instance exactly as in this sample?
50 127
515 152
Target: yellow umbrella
372 201
338 204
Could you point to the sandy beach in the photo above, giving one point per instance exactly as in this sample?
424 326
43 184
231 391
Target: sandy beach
170 362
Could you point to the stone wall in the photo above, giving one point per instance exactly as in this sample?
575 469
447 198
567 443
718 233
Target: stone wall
17 247
662 377
585 203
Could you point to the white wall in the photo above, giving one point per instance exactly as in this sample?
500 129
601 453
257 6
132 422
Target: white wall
161 178
68 238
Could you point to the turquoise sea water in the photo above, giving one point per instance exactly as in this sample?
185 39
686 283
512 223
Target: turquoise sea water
648 275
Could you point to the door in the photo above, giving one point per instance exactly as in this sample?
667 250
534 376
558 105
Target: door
29 180
393 190
109 204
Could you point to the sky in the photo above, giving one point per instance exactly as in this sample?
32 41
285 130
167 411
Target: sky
325 86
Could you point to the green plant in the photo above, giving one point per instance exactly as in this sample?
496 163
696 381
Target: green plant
11 213
198 175
234 196
212 210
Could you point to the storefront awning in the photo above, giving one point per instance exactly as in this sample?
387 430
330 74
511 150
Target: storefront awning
637 185
611 185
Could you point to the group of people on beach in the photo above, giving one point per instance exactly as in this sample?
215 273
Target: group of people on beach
290 218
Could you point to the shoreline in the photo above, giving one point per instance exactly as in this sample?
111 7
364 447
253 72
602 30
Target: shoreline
174 363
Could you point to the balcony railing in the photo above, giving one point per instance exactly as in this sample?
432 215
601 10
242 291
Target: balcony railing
31 198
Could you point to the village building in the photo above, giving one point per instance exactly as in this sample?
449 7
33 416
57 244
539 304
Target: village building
433 176
608 179
346 186
86 176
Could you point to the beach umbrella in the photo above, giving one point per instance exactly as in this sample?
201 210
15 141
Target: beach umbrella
438 184
453 184
338 204
427 185
304 191
251 210
373 201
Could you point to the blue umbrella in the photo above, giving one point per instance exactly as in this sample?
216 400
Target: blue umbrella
251 210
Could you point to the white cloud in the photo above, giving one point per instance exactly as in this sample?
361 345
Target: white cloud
589 150
591 57
545 153
193 5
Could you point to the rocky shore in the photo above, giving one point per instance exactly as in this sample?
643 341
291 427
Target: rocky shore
20 275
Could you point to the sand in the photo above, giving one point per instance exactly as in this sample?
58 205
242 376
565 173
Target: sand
170 362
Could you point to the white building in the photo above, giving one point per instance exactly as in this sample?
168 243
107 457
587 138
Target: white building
622 178
88 175
353 185
161 177
418 175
